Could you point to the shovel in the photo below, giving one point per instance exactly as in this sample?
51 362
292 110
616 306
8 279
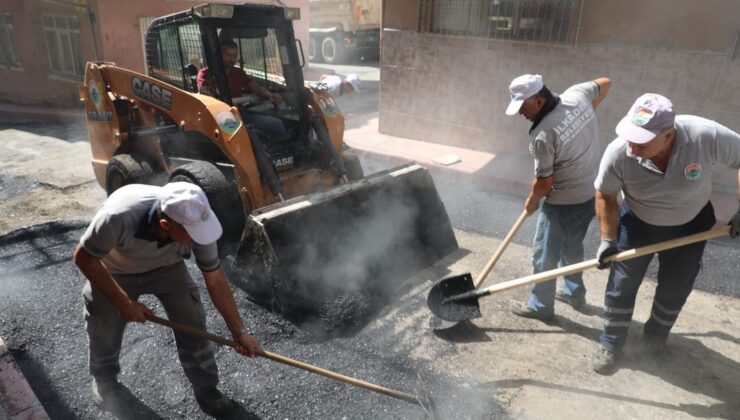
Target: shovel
421 400
464 282
459 304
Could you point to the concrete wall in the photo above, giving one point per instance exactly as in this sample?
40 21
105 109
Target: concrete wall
453 90
117 35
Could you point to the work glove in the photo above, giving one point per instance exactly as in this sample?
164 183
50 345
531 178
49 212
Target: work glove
735 225
606 248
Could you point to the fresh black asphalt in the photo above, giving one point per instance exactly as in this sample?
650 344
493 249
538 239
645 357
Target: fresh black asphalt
43 325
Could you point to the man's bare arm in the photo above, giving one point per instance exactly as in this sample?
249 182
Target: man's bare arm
607 212
223 298
540 188
604 85
101 279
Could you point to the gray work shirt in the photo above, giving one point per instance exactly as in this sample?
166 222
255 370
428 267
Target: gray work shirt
676 196
566 146
120 235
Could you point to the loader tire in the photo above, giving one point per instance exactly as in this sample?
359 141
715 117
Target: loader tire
352 164
313 51
222 197
126 169
332 51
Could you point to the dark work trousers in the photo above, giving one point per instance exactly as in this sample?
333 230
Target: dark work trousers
177 291
678 268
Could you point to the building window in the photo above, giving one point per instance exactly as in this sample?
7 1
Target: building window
526 20
8 52
62 35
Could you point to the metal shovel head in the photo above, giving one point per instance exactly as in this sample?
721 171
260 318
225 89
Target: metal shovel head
456 310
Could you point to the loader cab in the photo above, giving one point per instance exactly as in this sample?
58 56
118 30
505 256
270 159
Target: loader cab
184 47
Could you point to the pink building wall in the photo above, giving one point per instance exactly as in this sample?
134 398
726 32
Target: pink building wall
31 82
117 38
121 33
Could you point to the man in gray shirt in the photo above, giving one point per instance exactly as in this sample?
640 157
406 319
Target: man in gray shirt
662 164
136 245
566 150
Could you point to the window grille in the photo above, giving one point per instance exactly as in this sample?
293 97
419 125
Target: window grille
260 58
8 51
175 54
62 36
549 21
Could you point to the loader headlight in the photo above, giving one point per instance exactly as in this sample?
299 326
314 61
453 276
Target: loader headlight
292 13
223 11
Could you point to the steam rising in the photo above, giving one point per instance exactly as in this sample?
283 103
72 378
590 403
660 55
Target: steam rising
342 256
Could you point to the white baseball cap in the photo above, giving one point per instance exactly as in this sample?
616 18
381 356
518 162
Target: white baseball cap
187 204
354 80
523 88
649 115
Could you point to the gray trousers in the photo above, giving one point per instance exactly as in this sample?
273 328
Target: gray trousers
177 291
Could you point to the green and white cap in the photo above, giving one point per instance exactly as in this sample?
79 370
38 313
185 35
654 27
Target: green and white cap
187 204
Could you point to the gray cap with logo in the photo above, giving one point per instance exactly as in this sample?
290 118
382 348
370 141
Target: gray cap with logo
649 115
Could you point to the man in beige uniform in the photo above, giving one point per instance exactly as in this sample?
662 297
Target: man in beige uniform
136 245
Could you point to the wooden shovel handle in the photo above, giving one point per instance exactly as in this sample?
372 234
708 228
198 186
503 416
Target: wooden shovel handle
593 263
494 259
286 360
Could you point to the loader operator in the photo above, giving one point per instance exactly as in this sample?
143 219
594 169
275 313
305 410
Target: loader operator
566 149
239 82
662 164
135 245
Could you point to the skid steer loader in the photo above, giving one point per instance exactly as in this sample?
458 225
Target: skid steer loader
302 225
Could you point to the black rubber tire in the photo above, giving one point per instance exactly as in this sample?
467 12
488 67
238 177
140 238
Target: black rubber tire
332 51
352 164
313 51
222 197
126 169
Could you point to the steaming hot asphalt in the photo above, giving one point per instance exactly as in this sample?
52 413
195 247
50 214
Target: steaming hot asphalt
43 324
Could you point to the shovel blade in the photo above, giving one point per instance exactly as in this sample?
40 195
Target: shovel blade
438 324
456 310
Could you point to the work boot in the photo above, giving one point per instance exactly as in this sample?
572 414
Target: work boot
109 394
604 361
526 311
216 404
576 302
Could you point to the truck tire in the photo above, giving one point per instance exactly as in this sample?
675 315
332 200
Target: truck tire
313 50
332 51
352 164
126 169
221 196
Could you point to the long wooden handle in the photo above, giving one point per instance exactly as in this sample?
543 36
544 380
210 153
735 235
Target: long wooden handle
288 361
593 263
494 259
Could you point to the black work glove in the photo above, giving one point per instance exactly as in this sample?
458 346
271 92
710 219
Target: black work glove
606 248
735 225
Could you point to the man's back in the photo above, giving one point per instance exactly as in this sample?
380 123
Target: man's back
569 137
120 234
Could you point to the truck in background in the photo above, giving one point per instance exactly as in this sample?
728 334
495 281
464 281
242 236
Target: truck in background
340 29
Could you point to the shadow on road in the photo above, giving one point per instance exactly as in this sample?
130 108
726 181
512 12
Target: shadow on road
690 365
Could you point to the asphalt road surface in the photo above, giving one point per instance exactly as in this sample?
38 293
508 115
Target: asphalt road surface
43 325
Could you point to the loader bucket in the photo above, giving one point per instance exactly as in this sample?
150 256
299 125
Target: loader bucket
338 255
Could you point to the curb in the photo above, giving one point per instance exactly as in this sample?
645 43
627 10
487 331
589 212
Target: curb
17 399
487 182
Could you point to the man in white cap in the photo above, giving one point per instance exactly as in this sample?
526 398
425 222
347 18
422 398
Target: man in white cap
136 244
662 164
338 87
566 149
